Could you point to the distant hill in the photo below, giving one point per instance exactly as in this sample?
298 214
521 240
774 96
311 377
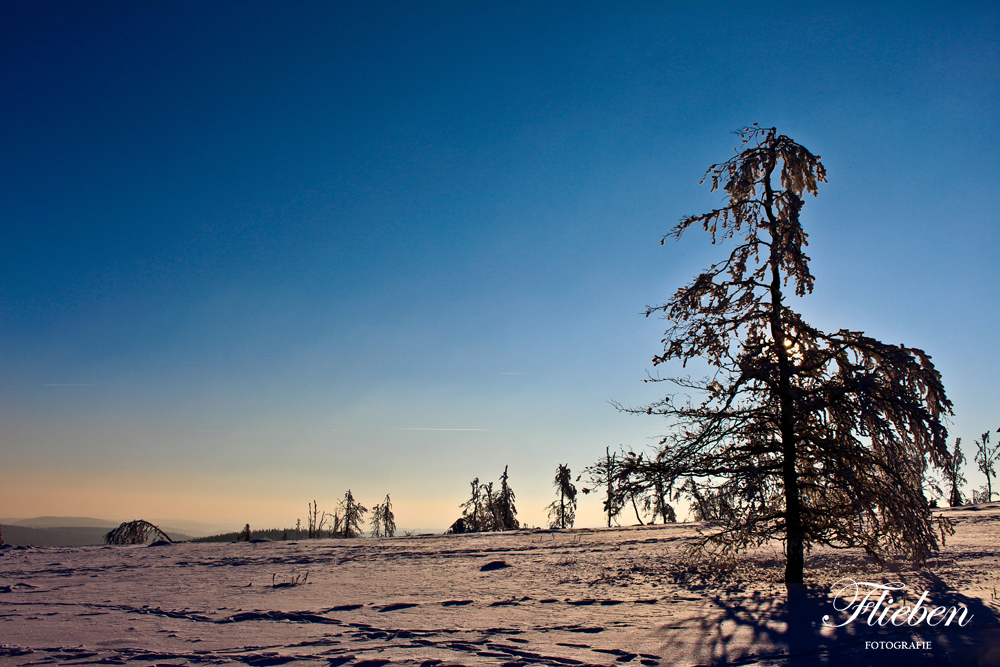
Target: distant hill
67 536
62 522
75 531
64 536
195 528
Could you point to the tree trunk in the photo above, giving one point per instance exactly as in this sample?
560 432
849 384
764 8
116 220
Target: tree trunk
794 532
609 483
663 501
636 508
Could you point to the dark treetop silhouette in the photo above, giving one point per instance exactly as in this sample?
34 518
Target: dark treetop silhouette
383 520
953 476
812 437
352 514
488 510
606 472
562 511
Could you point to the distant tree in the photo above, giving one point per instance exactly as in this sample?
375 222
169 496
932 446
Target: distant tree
606 472
383 522
980 495
630 485
352 515
638 478
492 518
316 520
932 488
797 434
562 511
953 475
986 458
632 478
655 498
273 534
476 516
488 510
504 512
459 527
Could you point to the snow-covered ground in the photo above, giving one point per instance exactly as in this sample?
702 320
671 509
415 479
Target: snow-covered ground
603 597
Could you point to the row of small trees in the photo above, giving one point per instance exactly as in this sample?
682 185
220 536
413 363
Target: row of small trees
627 479
348 519
636 481
986 458
631 479
488 509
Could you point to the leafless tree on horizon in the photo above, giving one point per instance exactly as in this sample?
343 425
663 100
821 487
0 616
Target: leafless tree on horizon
986 459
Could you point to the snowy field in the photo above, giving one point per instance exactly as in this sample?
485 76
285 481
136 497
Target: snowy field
578 597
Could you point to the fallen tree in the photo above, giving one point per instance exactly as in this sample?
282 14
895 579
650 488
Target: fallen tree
135 532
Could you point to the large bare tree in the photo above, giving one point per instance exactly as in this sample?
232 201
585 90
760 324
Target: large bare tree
797 434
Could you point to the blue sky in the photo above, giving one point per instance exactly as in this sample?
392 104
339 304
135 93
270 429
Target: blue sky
250 248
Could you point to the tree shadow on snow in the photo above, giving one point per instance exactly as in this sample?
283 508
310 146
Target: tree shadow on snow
787 629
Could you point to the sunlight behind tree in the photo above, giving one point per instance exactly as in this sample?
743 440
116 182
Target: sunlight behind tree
802 435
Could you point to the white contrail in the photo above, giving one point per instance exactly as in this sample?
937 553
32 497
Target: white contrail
70 385
413 428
